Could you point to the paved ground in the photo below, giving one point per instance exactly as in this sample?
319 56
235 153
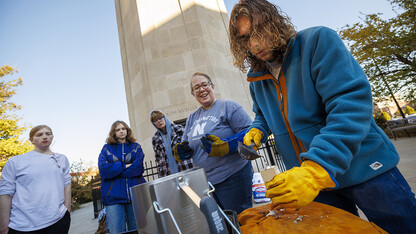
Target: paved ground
407 165
83 222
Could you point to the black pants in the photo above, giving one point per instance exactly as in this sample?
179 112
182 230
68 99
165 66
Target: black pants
62 226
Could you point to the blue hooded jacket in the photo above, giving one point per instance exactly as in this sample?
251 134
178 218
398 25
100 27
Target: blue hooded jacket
116 179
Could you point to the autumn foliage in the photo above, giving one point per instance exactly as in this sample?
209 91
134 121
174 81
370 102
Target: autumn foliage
10 129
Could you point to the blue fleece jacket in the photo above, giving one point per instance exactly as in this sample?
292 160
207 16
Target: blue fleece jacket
116 179
320 108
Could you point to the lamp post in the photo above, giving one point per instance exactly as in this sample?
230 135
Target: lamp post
389 89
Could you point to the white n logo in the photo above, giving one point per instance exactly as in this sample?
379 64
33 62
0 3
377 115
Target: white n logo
199 129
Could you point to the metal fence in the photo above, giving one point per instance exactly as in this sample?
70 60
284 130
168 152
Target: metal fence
150 171
271 157
96 195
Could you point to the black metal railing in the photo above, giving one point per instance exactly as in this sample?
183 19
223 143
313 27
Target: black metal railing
150 171
271 157
96 195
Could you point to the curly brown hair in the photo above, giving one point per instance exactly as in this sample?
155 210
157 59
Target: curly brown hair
112 139
268 23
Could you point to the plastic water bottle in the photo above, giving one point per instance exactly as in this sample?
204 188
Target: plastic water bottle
259 189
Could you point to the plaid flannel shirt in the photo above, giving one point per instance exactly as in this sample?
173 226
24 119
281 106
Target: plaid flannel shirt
160 151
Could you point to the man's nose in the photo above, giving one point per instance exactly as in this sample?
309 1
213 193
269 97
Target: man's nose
253 43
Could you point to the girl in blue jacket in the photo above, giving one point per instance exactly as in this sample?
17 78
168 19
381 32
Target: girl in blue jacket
121 167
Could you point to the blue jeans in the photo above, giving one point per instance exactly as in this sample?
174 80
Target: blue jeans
234 193
118 215
386 200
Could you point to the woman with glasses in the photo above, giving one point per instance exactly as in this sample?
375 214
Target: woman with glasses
121 166
230 174
166 137
35 189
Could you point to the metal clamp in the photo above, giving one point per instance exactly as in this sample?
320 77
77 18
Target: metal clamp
159 211
212 189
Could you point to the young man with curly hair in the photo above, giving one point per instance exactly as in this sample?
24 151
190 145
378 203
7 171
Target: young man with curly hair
315 98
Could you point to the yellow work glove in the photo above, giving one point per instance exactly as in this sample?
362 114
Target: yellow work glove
299 186
214 146
253 135
217 147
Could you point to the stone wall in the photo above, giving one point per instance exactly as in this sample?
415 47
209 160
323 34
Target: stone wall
162 44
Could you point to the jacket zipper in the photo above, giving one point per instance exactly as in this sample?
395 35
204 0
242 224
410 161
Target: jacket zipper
300 148
110 189
127 182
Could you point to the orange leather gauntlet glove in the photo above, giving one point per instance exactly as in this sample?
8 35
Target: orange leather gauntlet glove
300 185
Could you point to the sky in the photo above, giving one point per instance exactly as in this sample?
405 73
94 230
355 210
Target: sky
68 54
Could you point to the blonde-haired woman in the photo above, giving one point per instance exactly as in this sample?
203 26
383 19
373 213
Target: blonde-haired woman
35 194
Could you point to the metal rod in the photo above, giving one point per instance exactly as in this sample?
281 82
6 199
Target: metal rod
156 206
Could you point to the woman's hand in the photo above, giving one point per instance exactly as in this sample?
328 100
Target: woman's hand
217 147
182 151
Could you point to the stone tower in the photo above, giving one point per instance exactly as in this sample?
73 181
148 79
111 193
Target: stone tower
162 43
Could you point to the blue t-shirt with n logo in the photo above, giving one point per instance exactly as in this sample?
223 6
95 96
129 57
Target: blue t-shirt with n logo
225 118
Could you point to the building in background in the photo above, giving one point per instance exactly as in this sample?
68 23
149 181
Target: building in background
162 44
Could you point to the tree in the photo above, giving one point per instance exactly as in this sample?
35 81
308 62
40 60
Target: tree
381 118
82 171
81 184
386 49
10 130
409 110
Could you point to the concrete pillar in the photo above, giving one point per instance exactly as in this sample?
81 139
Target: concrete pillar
162 44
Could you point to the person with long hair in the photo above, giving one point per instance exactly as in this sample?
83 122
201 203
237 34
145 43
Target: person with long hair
167 135
210 138
35 189
315 98
121 167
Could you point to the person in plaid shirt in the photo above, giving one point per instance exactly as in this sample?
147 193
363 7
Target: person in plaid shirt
163 141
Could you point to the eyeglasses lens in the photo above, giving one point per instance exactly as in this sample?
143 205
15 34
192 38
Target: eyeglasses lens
197 88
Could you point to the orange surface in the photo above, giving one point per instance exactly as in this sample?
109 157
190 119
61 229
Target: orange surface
312 218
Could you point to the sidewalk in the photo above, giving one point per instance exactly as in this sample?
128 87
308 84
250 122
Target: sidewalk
82 221
406 147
